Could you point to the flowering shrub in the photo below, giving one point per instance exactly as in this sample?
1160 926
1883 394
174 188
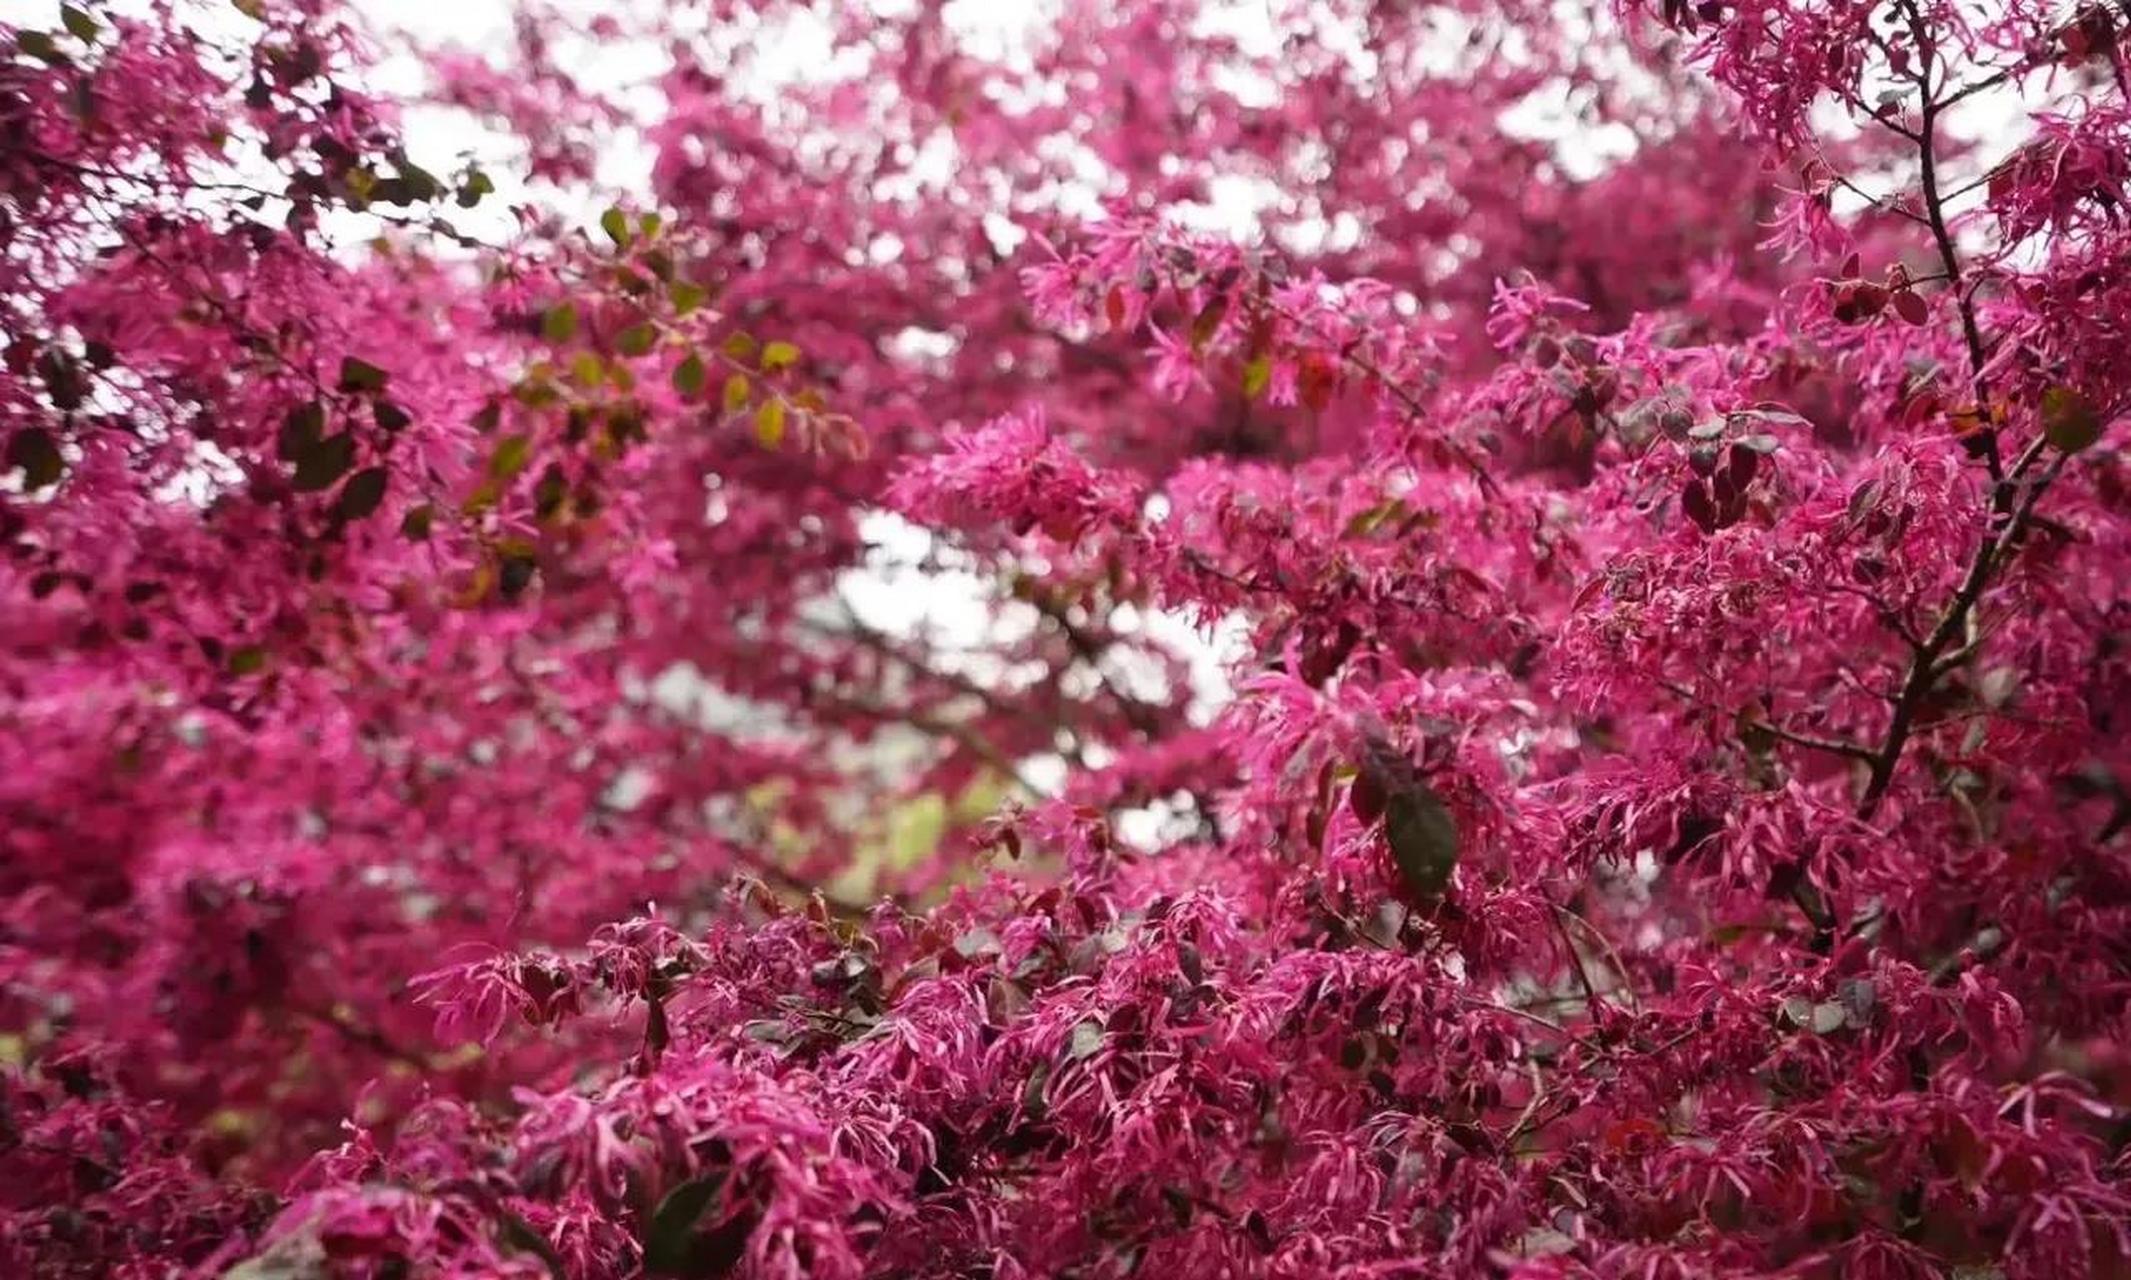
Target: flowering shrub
1671 816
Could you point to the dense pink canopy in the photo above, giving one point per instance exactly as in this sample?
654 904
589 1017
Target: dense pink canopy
1670 820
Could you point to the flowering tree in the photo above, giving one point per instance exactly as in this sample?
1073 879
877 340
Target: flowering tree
1670 821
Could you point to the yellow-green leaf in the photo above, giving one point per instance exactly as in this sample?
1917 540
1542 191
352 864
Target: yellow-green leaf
485 495
769 423
535 395
616 224
1375 518
560 323
686 295
779 355
1208 322
737 391
510 457
587 369
1256 375
2069 419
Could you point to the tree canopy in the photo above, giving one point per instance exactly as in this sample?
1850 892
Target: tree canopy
1657 470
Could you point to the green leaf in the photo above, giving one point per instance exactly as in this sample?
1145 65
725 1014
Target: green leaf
550 493
521 1237
2069 419
769 423
415 525
481 499
476 185
63 379
779 355
535 394
1423 838
1256 375
690 375
616 224
514 572
324 462
560 323
1208 322
247 660
737 391
84 27
360 375
687 296
510 457
650 224
40 45
362 494
1035 1094
300 429
392 191
636 339
675 1241
421 184
37 453
389 415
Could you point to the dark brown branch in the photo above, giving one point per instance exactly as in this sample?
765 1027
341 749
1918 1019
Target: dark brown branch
2007 523
1833 746
1941 235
